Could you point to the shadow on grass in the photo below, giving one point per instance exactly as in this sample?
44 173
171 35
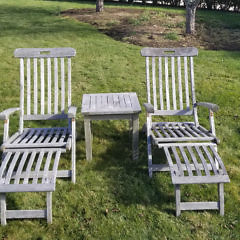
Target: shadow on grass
128 180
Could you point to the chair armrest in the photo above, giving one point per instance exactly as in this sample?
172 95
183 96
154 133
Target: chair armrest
72 111
4 115
211 106
149 107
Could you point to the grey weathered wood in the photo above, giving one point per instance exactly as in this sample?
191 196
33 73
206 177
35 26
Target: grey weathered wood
44 52
173 84
221 198
16 214
110 106
180 83
49 70
49 207
69 82
135 134
35 85
154 84
21 94
62 85
182 173
34 180
178 199
55 85
28 86
88 138
169 52
3 209
42 86
45 94
198 205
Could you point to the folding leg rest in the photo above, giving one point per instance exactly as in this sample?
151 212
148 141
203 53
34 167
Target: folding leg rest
28 170
196 163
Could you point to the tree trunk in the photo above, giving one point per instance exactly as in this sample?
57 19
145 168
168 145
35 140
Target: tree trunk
191 7
190 20
99 5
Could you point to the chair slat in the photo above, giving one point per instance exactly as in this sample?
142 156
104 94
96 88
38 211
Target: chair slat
217 157
34 135
186 82
21 94
28 86
42 86
29 167
148 80
20 168
37 168
173 83
35 73
69 82
180 83
4 163
55 165
195 162
186 161
178 161
168 127
184 131
45 177
49 70
28 137
11 168
62 85
193 133
55 85
202 160
160 83
154 84
167 84
210 158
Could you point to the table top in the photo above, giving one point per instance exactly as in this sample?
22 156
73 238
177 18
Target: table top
110 103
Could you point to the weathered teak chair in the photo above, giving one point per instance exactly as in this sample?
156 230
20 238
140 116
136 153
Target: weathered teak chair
45 94
191 149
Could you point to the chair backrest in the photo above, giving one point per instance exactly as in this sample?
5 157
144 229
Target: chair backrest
45 82
170 80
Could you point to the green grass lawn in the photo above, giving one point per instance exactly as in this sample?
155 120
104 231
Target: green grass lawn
113 197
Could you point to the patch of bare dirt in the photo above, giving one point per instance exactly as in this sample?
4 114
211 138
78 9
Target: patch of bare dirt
154 28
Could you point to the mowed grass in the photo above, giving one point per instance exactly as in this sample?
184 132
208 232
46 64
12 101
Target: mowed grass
113 197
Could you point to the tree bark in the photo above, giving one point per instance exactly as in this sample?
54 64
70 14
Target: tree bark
99 5
191 7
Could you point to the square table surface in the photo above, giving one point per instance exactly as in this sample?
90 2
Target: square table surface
110 103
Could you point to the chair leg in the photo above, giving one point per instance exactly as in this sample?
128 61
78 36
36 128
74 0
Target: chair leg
178 199
221 198
135 136
49 207
73 150
3 208
88 138
149 149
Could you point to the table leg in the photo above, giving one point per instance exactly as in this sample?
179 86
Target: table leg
135 135
88 138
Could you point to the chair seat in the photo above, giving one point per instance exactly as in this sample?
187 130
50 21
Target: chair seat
40 138
195 163
179 132
29 170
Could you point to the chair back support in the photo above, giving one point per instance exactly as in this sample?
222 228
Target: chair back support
170 79
45 82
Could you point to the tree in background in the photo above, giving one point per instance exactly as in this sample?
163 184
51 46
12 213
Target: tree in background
99 5
191 7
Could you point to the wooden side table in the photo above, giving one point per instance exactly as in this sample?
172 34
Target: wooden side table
111 106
